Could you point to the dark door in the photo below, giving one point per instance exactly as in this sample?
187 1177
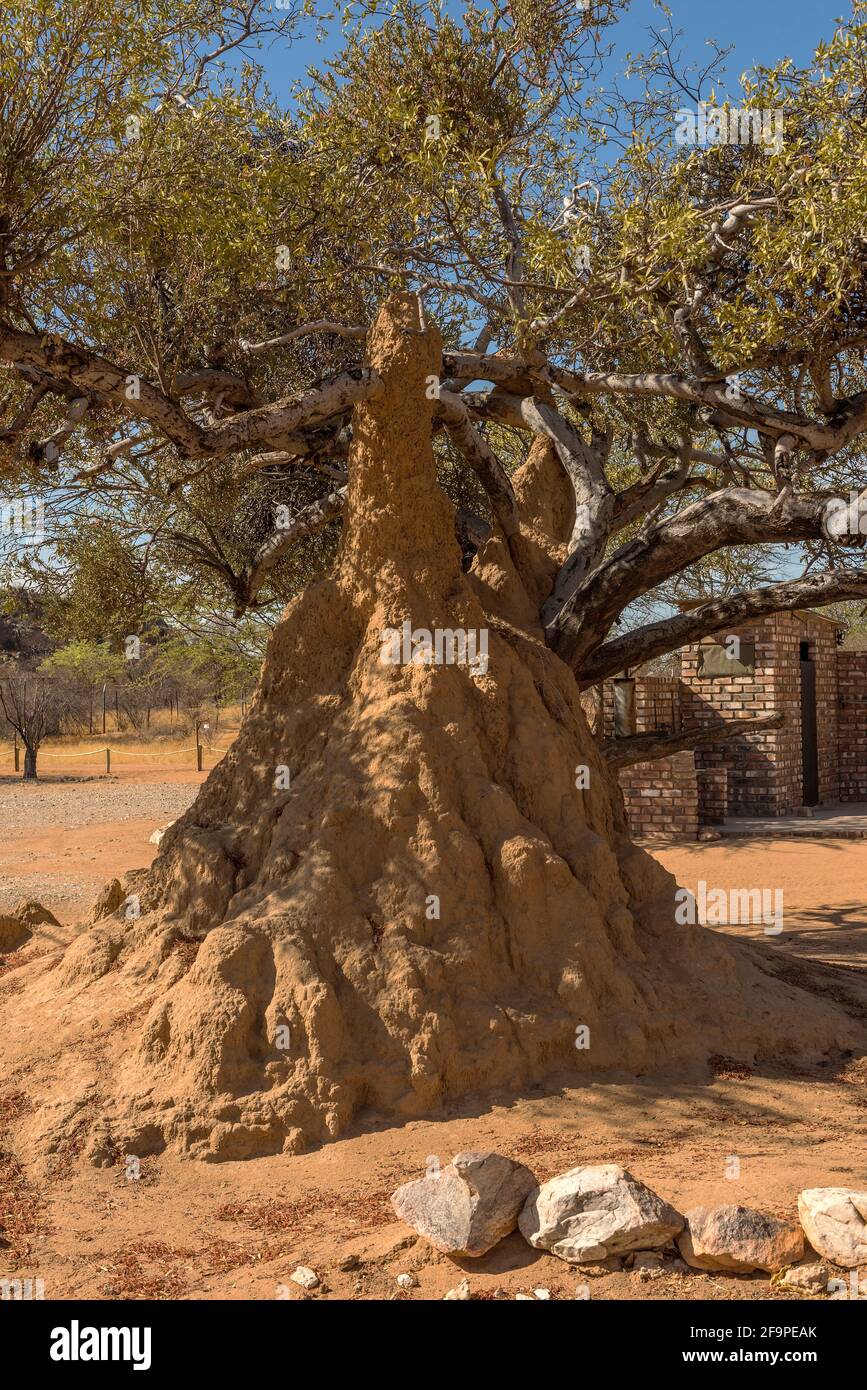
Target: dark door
809 742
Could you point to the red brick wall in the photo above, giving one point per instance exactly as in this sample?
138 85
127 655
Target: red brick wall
852 681
662 797
760 774
791 631
764 770
657 705
712 794
750 764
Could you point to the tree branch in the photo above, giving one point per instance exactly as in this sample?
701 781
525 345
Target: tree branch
268 424
849 420
310 519
491 473
342 330
646 748
730 516
654 639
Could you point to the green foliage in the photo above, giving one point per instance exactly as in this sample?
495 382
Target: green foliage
164 211
90 663
95 588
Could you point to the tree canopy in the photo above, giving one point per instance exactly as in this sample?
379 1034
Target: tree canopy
188 268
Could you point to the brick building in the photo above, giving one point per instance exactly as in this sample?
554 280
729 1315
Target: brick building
788 663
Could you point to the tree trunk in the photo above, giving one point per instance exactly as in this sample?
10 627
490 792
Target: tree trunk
29 764
404 885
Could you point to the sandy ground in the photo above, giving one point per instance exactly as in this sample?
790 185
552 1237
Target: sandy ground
197 1231
63 840
822 881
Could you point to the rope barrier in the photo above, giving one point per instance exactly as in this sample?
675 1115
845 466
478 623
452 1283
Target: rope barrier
167 752
91 753
131 753
124 753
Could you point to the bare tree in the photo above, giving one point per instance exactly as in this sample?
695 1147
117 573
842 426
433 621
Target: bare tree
32 706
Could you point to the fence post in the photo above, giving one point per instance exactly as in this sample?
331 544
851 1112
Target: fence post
107 761
198 757
17 752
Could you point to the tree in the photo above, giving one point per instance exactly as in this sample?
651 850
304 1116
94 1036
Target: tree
31 706
410 876
81 669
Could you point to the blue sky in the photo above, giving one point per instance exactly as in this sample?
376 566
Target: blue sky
761 31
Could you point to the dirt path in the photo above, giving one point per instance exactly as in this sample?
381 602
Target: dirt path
824 885
63 840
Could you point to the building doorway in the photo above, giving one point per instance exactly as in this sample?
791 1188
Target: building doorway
809 732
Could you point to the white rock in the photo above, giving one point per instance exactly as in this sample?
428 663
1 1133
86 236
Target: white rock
835 1222
407 1281
467 1207
738 1239
462 1292
543 1294
307 1278
157 835
524 1298
587 1214
814 1278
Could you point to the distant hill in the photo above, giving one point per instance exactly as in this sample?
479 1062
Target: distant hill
21 637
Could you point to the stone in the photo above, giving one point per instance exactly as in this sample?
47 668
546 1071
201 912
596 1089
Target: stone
589 1214
468 1206
524 1298
835 1222
460 1294
110 899
407 1281
811 1278
307 1278
542 1294
738 1239
348 1262
647 1259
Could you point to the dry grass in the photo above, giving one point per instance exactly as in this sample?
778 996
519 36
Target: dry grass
164 743
147 1270
269 1215
22 1208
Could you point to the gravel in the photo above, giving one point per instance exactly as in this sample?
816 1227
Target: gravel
48 889
65 804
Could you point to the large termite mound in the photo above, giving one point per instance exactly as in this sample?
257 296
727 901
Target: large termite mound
396 888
